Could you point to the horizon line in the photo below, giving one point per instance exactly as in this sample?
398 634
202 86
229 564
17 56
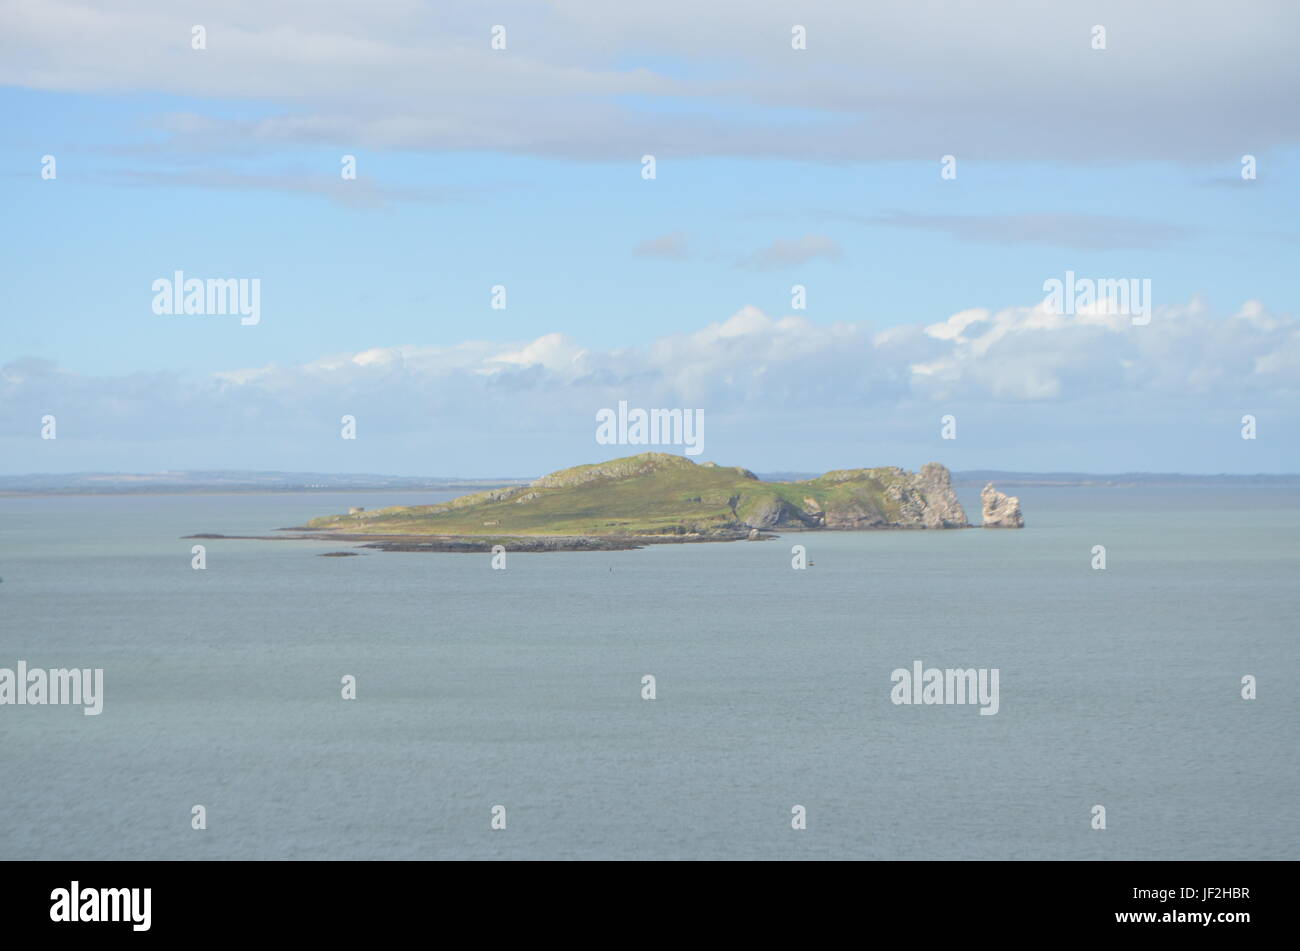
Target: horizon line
122 474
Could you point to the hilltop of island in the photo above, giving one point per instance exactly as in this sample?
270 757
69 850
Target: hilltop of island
658 497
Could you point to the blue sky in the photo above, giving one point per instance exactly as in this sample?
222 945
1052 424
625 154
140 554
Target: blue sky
521 167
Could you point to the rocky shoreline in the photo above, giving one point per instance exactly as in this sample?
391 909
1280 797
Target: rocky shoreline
519 543
532 543
480 544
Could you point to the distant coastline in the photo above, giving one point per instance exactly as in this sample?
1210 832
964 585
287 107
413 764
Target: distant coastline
236 482
241 482
975 477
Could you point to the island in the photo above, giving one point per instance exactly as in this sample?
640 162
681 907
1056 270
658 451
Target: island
660 498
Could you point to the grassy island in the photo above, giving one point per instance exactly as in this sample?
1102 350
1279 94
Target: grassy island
659 496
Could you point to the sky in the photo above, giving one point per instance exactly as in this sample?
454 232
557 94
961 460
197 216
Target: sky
522 168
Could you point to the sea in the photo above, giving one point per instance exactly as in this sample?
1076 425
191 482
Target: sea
503 713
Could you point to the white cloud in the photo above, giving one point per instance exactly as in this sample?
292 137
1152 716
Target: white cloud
749 364
785 254
910 79
1033 390
669 246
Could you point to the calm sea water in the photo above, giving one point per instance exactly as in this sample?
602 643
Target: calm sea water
522 688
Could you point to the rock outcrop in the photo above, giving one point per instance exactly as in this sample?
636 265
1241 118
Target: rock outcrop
860 499
774 512
931 500
1001 510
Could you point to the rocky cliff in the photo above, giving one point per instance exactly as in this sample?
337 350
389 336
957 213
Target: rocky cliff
1001 510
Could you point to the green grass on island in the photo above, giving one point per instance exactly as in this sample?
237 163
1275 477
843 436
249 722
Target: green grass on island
658 494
